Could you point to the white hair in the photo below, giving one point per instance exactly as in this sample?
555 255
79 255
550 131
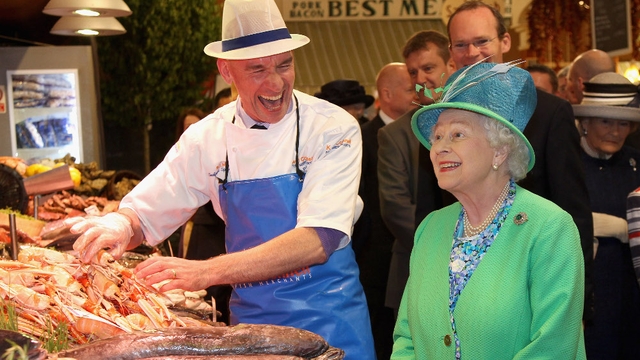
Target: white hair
500 135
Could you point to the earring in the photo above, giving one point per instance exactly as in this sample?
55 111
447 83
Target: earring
494 167
584 131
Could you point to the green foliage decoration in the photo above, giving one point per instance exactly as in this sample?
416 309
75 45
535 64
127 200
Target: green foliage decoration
159 65
156 69
8 316
55 338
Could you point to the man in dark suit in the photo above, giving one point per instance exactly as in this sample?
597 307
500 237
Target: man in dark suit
584 67
400 166
477 31
396 96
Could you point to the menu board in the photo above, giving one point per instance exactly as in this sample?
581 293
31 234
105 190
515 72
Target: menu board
611 26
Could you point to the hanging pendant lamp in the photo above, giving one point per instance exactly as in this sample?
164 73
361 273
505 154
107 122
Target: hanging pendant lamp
88 26
90 8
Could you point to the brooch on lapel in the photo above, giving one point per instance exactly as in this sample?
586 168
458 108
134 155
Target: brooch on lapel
632 162
520 218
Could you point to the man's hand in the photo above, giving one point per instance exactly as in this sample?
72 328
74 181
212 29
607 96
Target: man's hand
183 274
112 231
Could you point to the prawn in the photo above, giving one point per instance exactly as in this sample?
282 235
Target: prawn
96 327
26 278
103 284
62 279
13 265
44 256
24 296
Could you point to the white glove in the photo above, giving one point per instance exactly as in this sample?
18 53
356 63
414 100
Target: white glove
112 232
610 226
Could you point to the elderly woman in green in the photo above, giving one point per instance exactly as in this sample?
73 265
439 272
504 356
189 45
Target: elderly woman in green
500 273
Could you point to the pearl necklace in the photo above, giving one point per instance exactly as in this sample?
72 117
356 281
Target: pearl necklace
475 230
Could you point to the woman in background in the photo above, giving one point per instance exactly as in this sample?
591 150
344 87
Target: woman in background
607 115
223 97
187 118
499 274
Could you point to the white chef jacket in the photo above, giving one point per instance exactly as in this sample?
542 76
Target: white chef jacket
330 154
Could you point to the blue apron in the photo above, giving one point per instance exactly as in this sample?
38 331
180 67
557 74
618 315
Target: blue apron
326 299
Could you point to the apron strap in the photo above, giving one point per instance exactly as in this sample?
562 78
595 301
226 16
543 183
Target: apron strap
299 171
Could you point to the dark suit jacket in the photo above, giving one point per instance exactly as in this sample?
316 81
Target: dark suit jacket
633 140
398 189
375 254
558 174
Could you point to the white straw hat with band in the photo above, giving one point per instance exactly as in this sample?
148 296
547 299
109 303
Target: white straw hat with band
253 29
611 96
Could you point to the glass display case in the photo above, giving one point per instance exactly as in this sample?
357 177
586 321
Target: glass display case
44 110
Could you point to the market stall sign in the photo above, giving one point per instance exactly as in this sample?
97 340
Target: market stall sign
329 10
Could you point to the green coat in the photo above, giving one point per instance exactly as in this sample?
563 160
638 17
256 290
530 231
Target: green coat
524 300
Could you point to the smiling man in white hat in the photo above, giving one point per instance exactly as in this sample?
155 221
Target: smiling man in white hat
282 169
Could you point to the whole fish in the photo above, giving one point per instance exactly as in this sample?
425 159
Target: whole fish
242 339
331 354
229 357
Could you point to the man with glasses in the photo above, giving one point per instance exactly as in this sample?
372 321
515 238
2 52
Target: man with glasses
476 32
462 47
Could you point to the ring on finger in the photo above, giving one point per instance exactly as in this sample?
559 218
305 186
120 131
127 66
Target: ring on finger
174 273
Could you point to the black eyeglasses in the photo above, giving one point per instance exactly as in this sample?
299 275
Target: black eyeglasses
479 44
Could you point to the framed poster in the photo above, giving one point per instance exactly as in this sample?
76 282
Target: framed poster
611 26
44 111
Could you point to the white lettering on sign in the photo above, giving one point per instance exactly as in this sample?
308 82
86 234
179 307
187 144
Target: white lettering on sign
327 10
360 9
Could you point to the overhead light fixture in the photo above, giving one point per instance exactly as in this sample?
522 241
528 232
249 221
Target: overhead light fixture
92 8
89 26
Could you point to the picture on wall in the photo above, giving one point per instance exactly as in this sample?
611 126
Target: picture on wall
44 112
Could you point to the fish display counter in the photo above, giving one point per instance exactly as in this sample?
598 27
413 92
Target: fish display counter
52 306
100 310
